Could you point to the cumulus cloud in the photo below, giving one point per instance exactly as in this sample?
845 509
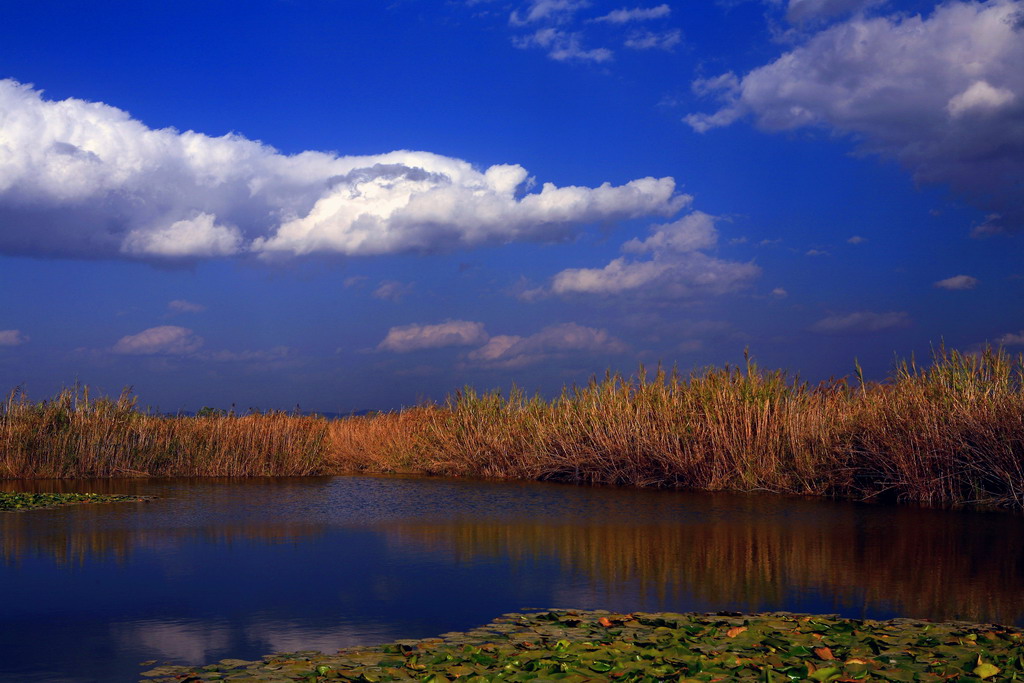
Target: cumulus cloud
183 306
623 16
857 239
12 338
674 266
510 351
165 340
943 94
957 282
83 179
173 340
563 46
406 338
861 322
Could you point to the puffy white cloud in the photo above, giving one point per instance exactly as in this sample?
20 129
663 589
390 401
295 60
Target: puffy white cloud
563 46
198 236
165 340
414 337
12 338
857 239
654 40
694 231
957 282
84 179
944 94
979 96
510 351
861 322
676 268
183 306
623 16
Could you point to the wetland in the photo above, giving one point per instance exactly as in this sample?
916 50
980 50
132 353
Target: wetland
238 568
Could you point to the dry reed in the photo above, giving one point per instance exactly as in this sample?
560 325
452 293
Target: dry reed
75 436
951 433
947 434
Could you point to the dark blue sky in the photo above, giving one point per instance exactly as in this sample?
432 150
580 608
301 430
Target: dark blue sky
358 205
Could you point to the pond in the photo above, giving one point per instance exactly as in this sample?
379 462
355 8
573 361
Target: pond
216 568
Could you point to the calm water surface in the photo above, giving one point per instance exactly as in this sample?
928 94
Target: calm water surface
216 568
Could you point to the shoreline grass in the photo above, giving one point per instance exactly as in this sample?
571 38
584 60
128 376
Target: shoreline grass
948 434
580 646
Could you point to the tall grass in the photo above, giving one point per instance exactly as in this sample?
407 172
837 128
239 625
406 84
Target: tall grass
76 436
945 434
950 433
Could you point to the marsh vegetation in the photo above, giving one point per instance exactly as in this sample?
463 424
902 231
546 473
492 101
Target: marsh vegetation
948 433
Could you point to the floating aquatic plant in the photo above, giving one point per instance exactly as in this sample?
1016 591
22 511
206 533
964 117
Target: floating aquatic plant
576 645
29 501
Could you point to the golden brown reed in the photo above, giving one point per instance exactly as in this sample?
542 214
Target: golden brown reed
950 433
75 436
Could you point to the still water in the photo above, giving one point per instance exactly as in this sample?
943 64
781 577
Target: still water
216 568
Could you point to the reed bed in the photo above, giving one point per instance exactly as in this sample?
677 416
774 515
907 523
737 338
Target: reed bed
75 436
949 433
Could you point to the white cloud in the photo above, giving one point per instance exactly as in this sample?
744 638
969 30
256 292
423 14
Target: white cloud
182 306
510 351
676 268
414 337
165 340
979 96
547 10
563 46
1011 339
651 40
861 322
944 94
957 282
800 11
856 239
12 338
84 179
392 290
172 340
354 281
198 236
623 16
780 293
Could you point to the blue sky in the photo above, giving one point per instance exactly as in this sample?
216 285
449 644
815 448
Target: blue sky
349 205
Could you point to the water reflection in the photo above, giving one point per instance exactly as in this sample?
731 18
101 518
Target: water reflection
217 569
861 566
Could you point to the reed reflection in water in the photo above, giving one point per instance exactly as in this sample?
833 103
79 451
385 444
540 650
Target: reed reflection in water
858 560
214 569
